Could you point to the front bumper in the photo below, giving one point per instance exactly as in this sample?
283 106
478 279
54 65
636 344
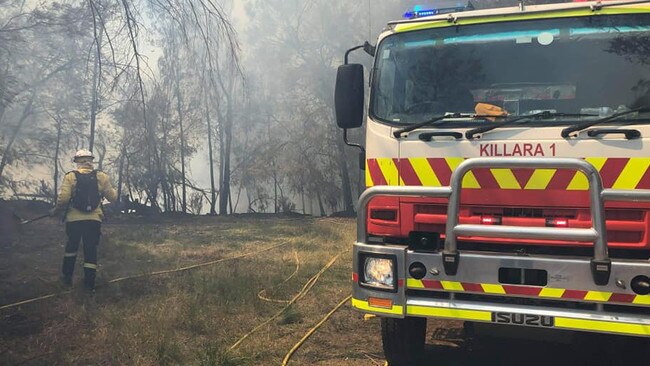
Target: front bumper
570 300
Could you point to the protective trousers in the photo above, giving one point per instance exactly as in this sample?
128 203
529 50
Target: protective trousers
89 231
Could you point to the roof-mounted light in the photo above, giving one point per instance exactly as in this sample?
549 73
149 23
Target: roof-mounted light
420 11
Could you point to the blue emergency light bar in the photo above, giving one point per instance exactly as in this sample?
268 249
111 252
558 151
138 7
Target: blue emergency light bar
419 11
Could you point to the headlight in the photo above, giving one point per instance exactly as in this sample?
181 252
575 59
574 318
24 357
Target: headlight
379 272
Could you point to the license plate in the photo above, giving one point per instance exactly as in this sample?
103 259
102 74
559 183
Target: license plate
530 320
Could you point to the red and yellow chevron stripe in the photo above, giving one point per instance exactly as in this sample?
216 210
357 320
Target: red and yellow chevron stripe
529 291
618 173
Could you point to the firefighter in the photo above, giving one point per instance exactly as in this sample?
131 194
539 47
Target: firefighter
80 198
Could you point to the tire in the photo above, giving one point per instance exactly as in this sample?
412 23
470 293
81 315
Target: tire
403 340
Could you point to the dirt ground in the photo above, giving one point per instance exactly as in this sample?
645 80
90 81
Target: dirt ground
193 317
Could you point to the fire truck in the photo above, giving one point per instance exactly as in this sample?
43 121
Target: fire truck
507 166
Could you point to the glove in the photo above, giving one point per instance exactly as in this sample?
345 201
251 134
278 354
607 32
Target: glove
53 211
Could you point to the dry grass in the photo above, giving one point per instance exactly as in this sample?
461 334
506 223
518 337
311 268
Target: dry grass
188 318
193 317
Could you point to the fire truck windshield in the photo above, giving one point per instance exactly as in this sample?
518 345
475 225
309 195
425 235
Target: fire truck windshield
597 65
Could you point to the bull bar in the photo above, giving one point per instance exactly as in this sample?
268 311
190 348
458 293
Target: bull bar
591 276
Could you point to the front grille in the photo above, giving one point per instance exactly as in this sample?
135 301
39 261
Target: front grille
523 212
626 226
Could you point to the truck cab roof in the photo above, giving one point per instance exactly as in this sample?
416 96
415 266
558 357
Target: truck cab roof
512 13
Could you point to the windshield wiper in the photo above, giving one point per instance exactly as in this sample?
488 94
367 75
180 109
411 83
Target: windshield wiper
541 115
438 120
581 126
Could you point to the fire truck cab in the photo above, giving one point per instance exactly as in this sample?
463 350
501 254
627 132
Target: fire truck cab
507 163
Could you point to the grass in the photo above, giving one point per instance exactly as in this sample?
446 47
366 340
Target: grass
192 318
214 354
290 316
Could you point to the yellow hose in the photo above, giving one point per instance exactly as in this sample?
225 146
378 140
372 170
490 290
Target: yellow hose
311 331
261 294
157 273
305 289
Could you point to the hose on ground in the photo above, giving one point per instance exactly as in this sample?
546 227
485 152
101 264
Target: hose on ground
262 294
151 274
311 331
305 289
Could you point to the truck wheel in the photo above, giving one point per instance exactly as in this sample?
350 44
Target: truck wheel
403 340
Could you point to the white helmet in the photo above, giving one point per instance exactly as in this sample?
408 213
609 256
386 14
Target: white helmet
83 153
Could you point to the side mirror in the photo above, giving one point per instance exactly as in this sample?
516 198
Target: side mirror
348 97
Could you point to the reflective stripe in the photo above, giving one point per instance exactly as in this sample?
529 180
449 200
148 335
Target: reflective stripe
449 313
552 292
620 173
413 283
389 170
579 181
363 305
642 299
70 254
505 178
425 173
631 175
369 182
540 179
598 296
452 286
602 326
90 265
470 180
560 322
493 289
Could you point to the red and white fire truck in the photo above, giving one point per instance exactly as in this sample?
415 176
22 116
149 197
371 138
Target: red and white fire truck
507 162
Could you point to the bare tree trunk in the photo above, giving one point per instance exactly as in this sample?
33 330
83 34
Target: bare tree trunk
222 144
237 200
230 203
56 157
275 189
226 127
101 155
179 109
213 190
120 173
4 99
320 203
275 175
95 98
311 206
167 181
12 139
224 191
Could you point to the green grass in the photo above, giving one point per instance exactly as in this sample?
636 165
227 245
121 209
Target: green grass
214 354
290 316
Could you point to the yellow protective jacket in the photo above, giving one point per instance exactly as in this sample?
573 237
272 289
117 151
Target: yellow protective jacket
68 188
